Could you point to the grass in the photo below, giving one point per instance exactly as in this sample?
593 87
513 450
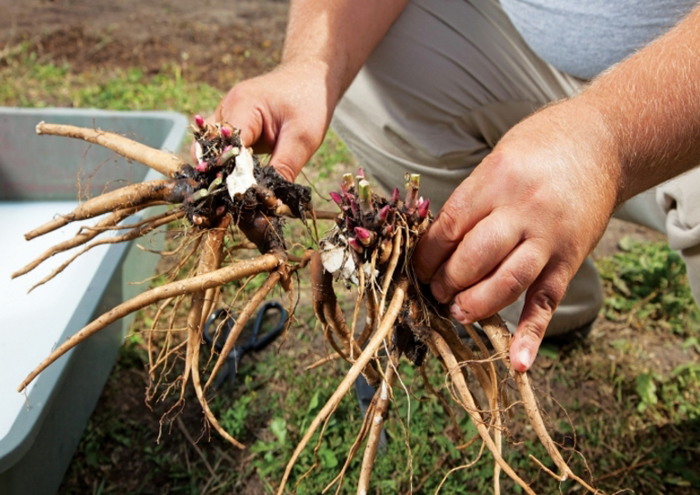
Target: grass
27 81
628 393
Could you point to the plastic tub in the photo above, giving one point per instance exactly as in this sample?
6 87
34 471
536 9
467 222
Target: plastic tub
38 179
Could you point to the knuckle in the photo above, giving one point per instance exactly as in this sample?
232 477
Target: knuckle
475 308
540 308
534 332
515 282
450 224
545 301
286 171
451 281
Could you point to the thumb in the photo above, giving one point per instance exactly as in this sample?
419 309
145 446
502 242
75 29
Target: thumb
292 151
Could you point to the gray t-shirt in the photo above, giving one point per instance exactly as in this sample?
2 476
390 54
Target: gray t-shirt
585 37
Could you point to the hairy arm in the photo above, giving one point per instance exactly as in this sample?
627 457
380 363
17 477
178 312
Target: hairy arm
531 212
650 105
337 35
288 110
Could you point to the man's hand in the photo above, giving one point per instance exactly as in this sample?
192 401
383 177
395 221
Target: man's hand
285 112
288 110
533 209
525 220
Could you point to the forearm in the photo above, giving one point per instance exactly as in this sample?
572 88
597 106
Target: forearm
650 104
338 35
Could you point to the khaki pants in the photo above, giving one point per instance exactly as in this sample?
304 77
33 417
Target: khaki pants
446 82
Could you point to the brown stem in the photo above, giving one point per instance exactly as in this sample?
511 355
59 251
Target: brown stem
216 278
79 239
328 311
162 161
385 326
129 236
209 261
463 352
391 267
497 332
455 372
377 424
134 195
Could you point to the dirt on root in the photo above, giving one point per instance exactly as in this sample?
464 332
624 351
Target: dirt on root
214 41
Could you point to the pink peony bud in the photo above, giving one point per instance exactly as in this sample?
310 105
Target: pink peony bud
202 167
384 212
220 210
355 245
225 131
395 195
199 120
337 198
362 233
423 207
360 173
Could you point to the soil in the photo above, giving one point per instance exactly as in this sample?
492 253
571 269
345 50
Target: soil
216 41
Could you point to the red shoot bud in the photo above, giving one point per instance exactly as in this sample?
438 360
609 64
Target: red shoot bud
360 173
202 167
220 210
396 195
362 233
225 131
355 245
384 212
423 207
199 120
365 236
337 198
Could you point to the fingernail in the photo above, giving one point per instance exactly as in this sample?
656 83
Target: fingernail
459 315
526 358
438 291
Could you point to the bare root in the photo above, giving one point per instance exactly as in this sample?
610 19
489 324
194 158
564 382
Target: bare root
216 278
383 330
162 161
454 369
133 196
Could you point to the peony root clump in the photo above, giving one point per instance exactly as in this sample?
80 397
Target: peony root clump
226 196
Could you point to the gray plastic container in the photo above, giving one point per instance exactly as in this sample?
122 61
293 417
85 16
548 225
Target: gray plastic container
38 179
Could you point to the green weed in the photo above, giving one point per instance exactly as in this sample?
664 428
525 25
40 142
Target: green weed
27 81
648 281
